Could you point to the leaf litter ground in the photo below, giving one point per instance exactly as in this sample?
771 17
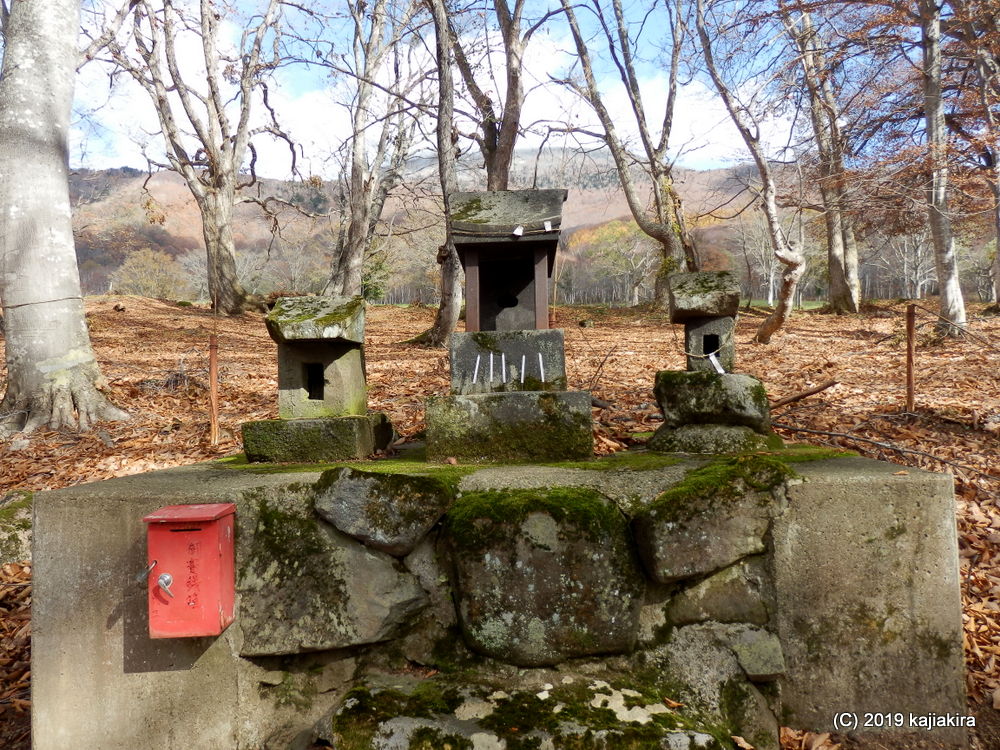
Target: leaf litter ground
154 356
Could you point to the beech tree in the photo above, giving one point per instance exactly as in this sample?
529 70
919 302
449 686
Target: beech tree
831 144
52 375
206 124
652 198
451 267
951 305
384 119
746 116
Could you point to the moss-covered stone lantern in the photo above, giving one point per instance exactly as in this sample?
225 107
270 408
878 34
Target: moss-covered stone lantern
322 396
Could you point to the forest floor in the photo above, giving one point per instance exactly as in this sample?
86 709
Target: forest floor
154 356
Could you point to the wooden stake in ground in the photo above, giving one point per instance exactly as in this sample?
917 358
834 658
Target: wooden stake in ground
911 315
213 388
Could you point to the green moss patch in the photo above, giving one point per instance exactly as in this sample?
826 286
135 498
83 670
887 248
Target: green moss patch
723 479
623 460
472 520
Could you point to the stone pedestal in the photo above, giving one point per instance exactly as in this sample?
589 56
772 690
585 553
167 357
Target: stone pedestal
519 426
704 412
316 440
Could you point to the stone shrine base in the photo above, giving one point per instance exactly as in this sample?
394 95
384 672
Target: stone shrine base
317 440
512 426
636 601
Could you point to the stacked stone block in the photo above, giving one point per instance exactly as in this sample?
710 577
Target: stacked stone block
509 401
708 408
322 395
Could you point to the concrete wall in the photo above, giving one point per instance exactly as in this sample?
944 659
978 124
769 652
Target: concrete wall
862 560
98 681
868 601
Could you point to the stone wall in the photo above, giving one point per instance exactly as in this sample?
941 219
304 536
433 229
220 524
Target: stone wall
638 601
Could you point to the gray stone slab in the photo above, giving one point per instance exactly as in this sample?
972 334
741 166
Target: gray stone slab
868 598
520 425
496 213
708 398
710 438
317 319
387 512
316 440
738 593
496 361
758 652
701 294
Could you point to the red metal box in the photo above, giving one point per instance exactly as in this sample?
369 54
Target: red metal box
190 573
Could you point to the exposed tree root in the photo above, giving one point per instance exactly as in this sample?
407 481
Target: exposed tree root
76 404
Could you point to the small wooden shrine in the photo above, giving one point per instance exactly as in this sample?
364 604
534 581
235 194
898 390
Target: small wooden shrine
507 240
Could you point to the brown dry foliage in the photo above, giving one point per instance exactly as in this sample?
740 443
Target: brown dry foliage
155 358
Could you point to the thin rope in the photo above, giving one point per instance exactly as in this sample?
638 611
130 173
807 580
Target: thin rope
42 302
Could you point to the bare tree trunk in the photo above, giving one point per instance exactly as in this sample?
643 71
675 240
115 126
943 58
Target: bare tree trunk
451 268
952 305
664 220
224 287
52 376
842 257
784 252
995 184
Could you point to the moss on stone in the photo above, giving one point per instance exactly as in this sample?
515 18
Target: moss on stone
721 480
472 520
15 524
468 212
538 426
309 440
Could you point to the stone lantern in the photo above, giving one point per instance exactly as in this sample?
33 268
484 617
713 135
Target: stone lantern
322 396
708 408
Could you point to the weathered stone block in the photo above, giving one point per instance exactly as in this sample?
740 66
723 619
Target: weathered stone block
699 661
492 361
543 425
317 318
710 398
702 336
868 604
306 587
758 652
735 594
388 512
544 575
702 294
316 440
711 438
321 380
718 514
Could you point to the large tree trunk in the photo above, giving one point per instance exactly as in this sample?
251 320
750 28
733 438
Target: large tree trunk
784 252
52 375
224 287
995 185
448 312
824 111
952 305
